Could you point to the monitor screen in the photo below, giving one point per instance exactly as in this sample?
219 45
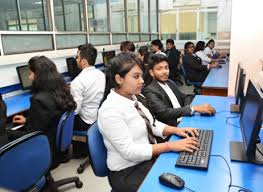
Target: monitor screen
23 76
239 86
251 118
73 69
107 55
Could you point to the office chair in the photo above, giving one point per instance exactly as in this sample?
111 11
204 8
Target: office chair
197 85
63 141
24 163
97 152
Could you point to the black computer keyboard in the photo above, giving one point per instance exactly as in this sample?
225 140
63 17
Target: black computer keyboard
198 159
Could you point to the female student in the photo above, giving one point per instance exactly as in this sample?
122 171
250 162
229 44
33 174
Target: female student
127 127
199 51
209 50
50 98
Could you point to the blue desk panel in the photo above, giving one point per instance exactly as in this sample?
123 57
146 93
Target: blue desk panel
217 77
216 178
17 103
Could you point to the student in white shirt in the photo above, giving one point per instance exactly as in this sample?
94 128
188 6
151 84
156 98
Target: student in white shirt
125 131
157 47
87 89
209 49
199 51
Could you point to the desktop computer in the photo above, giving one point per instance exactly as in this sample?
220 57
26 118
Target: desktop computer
239 90
107 55
250 123
23 76
73 69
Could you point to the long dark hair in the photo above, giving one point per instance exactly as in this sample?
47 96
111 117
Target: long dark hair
47 79
210 41
120 64
200 46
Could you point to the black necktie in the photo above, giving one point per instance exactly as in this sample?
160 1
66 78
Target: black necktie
151 137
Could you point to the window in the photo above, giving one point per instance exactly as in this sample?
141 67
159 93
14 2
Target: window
117 16
97 16
33 15
118 38
133 18
70 40
98 39
187 32
208 25
69 15
153 16
144 19
168 24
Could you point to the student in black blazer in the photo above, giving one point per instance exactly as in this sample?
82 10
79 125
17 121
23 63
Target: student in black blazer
195 71
163 96
50 98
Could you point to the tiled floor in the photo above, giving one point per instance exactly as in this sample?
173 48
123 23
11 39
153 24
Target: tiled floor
91 182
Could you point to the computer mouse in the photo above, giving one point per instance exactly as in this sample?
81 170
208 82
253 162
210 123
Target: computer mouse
171 180
207 114
219 66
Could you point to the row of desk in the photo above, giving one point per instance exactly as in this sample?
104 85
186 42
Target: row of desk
217 177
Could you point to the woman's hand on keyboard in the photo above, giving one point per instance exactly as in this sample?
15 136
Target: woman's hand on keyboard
187 132
188 144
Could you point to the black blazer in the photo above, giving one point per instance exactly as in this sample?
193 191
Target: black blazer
3 119
161 104
173 60
195 71
44 116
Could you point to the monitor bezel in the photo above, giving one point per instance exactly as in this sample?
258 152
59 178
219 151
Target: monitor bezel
70 72
250 148
106 52
239 86
20 78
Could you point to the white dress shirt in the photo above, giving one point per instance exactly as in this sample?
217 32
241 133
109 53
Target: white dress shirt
171 96
160 52
209 51
87 90
124 131
205 59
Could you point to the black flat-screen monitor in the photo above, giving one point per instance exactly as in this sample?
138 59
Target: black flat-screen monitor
239 90
73 69
107 55
250 124
23 76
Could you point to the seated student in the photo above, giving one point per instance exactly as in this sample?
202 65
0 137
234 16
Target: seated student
173 60
209 50
195 71
87 90
127 127
127 46
3 118
50 99
199 51
157 47
144 55
164 98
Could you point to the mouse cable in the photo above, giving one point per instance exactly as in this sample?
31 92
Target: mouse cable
232 117
230 174
222 111
191 190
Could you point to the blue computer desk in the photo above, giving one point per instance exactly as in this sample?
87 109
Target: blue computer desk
216 83
18 103
217 177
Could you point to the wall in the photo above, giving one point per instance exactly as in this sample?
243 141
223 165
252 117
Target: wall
246 39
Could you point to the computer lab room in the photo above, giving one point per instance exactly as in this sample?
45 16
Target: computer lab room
131 95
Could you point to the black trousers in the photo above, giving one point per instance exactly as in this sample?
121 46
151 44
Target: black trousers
80 148
129 179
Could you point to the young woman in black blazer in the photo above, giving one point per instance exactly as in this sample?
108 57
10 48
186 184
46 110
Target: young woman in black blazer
50 98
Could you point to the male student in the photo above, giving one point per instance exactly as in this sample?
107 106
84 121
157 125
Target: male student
165 100
3 118
157 47
87 88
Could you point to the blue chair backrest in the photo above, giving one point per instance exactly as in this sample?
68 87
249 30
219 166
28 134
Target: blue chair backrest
24 162
97 151
65 131
187 82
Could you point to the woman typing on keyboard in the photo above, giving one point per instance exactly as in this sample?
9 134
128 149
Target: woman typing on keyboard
128 128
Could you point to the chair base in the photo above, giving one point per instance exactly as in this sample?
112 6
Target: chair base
83 166
54 185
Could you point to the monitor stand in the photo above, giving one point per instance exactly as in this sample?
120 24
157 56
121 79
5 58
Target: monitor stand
234 108
238 153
